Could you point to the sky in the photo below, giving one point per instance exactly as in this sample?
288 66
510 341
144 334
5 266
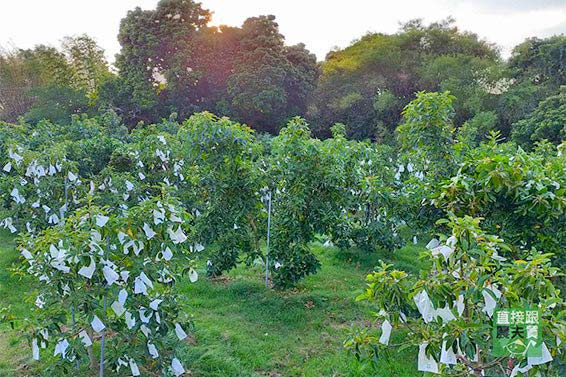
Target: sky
321 25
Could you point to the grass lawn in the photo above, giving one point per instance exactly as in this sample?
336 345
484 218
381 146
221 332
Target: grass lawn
242 329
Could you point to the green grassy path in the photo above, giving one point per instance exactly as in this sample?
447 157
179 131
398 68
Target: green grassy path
242 329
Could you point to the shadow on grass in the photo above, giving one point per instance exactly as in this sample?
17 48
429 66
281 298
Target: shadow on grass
405 258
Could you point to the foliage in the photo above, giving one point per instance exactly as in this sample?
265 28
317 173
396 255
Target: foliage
270 82
48 83
224 187
520 195
48 195
427 134
94 263
477 129
368 83
87 64
536 68
297 183
57 103
171 60
540 61
314 186
23 71
517 103
447 309
546 122
156 46
331 187
370 206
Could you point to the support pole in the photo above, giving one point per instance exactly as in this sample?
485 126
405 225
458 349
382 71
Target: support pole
268 236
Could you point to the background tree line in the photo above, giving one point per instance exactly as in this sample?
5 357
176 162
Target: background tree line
173 62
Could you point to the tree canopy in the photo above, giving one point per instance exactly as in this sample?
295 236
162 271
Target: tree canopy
173 63
367 84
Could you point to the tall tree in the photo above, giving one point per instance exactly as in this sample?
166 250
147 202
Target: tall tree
216 49
87 64
172 61
23 72
546 122
270 82
77 77
301 79
367 84
538 69
46 82
541 61
155 60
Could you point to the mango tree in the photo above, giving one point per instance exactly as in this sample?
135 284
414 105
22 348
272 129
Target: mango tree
111 279
223 162
445 314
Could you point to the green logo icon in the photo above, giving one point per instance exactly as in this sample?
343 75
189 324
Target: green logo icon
517 333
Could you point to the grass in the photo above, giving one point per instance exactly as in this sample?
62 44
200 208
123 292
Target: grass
14 352
242 329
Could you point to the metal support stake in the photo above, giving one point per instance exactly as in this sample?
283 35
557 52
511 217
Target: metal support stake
268 236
